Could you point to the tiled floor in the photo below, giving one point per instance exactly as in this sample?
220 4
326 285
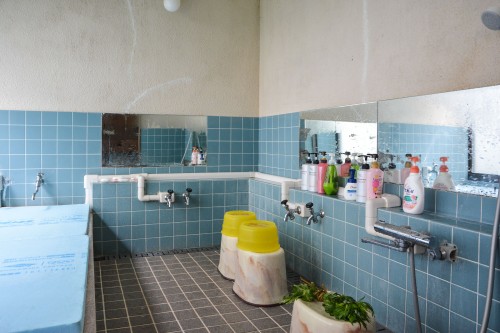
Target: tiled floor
177 293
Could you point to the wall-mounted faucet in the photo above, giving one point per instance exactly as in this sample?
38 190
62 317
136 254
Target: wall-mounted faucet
170 197
39 181
187 195
314 216
290 213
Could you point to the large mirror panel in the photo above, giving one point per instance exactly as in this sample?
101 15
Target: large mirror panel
337 130
461 125
141 140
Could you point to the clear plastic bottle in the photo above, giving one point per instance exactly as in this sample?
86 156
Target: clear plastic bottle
346 166
322 167
331 183
414 193
313 175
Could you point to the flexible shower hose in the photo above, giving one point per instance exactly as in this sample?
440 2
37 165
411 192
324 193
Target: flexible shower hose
414 285
491 273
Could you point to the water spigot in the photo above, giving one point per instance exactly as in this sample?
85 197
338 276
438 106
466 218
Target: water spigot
39 181
169 197
289 214
187 195
314 216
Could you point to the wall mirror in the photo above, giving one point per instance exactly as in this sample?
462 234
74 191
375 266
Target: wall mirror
140 140
460 125
338 130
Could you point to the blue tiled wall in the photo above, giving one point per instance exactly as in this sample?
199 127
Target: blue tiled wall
433 142
126 225
331 253
163 145
279 145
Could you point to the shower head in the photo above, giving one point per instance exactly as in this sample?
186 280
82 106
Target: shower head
491 18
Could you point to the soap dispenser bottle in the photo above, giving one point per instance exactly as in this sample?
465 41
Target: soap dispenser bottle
338 165
413 192
313 175
362 174
443 180
346 166
350 189
374 180
405 172
323 165
331 183
305 172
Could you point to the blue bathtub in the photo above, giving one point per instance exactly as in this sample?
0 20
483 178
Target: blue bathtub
46 269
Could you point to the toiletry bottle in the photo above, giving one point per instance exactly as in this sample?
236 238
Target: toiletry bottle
194 156
305 173
413 197
323 165
362 174
201 157
356 164
313 175
405 172
443 180
338 165
392 175
344 168
374 180
350 189
331 184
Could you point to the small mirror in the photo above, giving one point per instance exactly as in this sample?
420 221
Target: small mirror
462 126
338 130
140 140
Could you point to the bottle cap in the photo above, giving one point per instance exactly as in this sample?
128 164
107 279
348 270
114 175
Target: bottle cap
414 168
443 167
365 166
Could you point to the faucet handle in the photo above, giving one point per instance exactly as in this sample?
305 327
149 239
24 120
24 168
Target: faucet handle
284 202
189 190
170 191
309 205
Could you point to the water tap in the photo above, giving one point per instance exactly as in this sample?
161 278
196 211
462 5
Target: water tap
186 195
39 181
290 214
169 197
314 216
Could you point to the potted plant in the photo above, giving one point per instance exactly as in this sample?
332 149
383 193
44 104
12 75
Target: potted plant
316 310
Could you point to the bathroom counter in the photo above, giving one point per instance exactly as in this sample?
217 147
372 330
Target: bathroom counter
43 284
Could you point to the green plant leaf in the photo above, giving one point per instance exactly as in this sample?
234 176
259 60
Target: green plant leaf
345 308
304 291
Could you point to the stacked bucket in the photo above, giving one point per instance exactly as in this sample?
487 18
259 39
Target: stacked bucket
251 255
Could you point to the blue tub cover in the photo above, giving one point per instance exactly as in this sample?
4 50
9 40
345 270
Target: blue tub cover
43 284
43 221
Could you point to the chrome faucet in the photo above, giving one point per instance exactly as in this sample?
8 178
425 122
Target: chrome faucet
290 214
38 183
169 197
187 195
314 216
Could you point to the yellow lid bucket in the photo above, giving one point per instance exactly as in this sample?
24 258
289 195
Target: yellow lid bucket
258 236
233 220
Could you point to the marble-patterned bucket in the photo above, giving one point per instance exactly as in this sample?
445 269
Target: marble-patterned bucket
228 250
261 272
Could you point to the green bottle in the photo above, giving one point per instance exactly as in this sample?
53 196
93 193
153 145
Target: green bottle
331 184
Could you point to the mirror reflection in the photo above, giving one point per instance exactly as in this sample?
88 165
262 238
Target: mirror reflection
458 129
139 140
349 129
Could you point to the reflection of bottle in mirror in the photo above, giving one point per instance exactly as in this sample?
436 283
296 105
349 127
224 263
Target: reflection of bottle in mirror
321 173
338 165
312 182
443 180
374 180
413 196
305 173
346 166
391 174
194 156
201 157
405 172
362 174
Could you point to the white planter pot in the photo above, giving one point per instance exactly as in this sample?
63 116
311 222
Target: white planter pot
310 317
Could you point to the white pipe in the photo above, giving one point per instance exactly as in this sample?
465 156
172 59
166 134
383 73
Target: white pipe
89 180
386 201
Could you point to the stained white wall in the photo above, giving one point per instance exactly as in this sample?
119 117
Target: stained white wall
324 53
130 56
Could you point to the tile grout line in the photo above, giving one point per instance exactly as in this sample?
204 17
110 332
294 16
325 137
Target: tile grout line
102 298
